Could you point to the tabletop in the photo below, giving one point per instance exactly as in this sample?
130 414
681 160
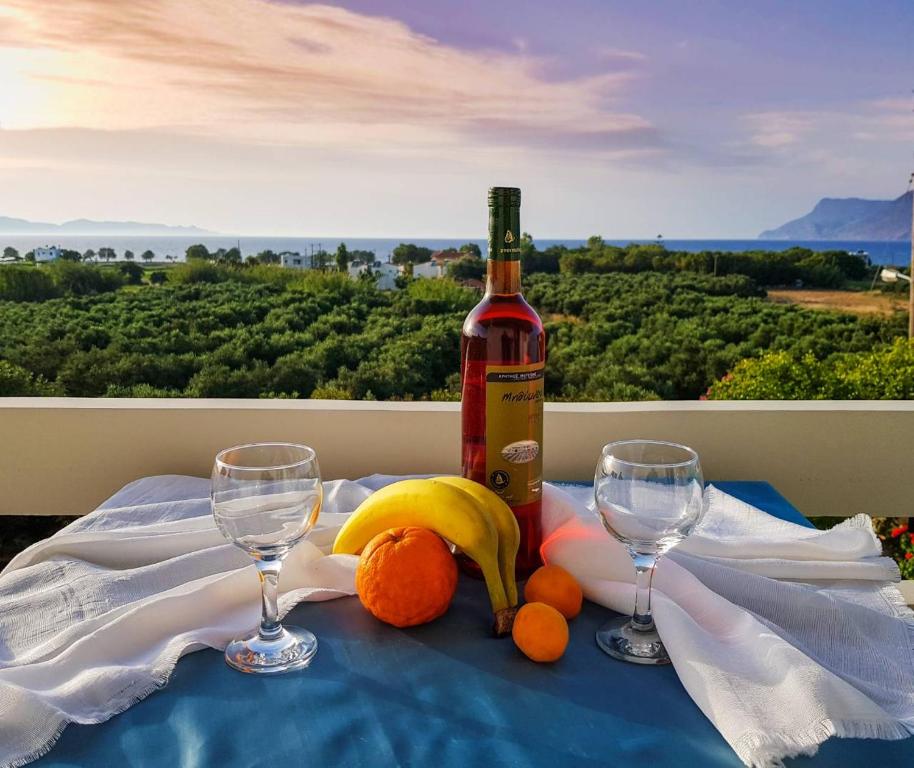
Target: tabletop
445 694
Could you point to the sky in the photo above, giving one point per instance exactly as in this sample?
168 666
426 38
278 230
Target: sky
391 118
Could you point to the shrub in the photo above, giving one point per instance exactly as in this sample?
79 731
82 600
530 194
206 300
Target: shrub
24 283
133 273
77 279
198 271
16 381
884 373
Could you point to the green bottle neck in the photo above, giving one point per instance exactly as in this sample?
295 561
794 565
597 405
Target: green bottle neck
504 232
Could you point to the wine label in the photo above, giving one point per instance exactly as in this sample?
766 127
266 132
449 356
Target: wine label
514 432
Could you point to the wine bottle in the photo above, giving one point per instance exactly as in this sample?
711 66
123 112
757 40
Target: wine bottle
503 354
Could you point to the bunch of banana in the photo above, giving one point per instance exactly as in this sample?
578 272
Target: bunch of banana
467 514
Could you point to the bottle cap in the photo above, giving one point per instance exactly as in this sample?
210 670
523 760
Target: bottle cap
500 196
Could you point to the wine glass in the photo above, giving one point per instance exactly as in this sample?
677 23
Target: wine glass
649 495
266 498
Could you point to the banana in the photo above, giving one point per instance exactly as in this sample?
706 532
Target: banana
505 524
451 513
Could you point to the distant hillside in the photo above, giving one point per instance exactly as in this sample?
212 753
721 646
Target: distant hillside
850 218
10 226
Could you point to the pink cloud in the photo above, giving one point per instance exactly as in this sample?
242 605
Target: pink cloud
255 70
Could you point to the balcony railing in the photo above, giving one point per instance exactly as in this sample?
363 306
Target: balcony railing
63 456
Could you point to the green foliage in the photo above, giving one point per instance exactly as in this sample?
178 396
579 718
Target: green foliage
213 330
635 336
158 277
11 253
408 253
897 543
147 255
17 381
342 257
467 268
198 251
76 279
133 273
829 269
547 261
366 257
268 257
196 270
231 256
883 373
25 283
471 249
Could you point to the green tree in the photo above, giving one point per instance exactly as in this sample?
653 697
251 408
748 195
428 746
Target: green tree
84 279
268 257
69 255
409 253
107 254
365 257
158 278
527 248
342 258
467 268
231 256
133 273
147 256
11 253
471 249
89 255
16 381
197 251
129 255
21 283
883 373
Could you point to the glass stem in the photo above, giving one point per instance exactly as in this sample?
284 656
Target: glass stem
268 570
644 572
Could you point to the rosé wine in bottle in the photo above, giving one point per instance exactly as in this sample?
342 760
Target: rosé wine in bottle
503 354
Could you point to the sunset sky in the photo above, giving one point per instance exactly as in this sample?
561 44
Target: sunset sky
392 117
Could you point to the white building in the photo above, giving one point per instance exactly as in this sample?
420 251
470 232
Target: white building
437 267
430 269
295 260
385 274
48 253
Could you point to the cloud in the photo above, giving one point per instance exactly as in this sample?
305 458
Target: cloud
833 140
308 74
779 129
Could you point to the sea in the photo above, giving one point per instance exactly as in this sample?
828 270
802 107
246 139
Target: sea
893 252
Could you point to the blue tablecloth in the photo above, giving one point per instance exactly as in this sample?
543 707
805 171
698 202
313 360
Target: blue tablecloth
444 694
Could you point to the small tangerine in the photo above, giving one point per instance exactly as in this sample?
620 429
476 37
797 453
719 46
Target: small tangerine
540 631
553 585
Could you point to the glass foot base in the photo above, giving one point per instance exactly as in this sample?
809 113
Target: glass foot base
621 641
293 648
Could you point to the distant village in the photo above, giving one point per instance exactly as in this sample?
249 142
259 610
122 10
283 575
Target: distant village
357 263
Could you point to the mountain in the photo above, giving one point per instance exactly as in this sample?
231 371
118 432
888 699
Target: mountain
849 218
10 226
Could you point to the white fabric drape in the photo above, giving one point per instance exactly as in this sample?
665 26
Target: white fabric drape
783 635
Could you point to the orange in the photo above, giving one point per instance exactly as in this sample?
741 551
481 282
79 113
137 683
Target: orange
406 576
540 631
553 585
